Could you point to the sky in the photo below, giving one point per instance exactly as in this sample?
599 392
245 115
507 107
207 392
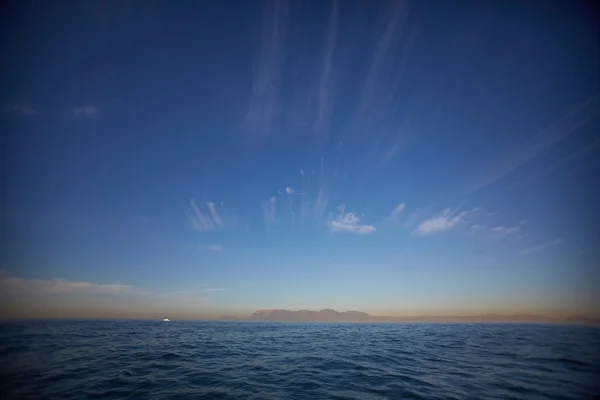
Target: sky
398 158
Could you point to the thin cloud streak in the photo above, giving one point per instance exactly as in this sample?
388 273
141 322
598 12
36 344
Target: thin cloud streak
378 109
398 210
198 219
324 193
540 143
269 71
16 285
325 92
269 212
45 290
513 241
543 246
382 54
215 216
204 222
581 153
321 202
394 218
475 228
503 231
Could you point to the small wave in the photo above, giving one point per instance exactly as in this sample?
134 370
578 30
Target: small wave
274 361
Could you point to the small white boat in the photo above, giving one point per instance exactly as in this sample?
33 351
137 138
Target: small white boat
166 320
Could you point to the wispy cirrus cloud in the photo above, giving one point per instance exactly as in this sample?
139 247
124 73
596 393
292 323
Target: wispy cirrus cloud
269 69
472 222
325 93
297 205
378 76
348 222
321 202
377 105
582 152
324 192
560 129
514 240
215 216
201 221
269 212
21 109
398 210
86 111
46 291
540 247
394 217
503 231
441 223
476 228
16 285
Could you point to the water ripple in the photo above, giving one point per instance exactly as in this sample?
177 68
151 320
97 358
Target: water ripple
191 360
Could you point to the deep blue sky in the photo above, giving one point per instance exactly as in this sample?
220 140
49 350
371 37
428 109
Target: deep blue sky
228 156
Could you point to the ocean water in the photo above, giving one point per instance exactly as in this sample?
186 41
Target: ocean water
221 360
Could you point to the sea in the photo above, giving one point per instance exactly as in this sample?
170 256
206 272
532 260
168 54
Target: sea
122 359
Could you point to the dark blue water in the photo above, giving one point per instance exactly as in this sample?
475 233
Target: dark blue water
216 360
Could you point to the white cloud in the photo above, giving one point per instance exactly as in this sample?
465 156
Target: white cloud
289 190
204 222
542 246
442 223
85 112
348 223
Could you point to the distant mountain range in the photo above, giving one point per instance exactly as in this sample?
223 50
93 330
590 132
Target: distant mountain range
325 315
329 315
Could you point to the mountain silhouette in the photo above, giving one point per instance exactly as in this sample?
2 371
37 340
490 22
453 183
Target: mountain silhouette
330 315
324 315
